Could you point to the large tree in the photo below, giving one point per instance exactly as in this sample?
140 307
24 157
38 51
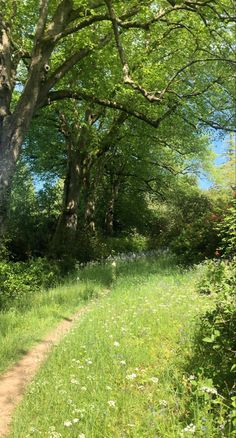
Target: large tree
174 57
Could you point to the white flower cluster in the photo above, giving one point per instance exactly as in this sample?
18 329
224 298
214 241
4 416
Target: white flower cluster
69 423
191 428
131 376
209 390
111 403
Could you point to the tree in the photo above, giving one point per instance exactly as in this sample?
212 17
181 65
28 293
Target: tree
193 82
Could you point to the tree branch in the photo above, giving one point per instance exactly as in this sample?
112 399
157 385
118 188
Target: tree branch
126 74
82 95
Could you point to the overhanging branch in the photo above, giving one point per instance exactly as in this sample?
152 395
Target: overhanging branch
82 95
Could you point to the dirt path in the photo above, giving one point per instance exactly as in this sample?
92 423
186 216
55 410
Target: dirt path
13 383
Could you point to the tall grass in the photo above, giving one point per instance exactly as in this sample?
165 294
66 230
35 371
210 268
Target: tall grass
22 327
121 370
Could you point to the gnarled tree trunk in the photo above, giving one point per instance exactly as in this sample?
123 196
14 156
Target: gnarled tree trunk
64 240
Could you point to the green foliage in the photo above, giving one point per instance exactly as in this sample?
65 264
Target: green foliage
215 340
132 243
19 281
214 348
184 224
217 276
227 231
216 336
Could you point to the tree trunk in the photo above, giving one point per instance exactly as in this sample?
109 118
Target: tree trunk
9 151
64 240
89 197
14 126
109 218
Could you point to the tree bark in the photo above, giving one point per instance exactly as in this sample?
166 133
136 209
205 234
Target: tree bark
64 240
109 217
89 202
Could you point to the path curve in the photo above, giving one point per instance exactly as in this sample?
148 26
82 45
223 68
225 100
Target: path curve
14 381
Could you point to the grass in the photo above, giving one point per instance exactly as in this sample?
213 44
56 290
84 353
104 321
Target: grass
121 371
21 328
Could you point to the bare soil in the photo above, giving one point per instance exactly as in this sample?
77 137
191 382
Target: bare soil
14 381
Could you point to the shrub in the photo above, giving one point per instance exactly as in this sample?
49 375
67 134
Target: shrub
97 247
227 231
19 281
218 276
214 346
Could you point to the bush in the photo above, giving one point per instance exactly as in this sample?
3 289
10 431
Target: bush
218 276
214 346
19 281
218 326
97 247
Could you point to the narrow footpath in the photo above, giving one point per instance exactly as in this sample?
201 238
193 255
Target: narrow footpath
14 381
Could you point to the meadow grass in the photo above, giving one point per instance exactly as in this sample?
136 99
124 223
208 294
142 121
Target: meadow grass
121 371
26 325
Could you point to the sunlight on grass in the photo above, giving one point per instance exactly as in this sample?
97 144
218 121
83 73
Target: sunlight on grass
21 328
120 371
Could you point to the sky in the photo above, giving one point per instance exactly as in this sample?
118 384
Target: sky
218 147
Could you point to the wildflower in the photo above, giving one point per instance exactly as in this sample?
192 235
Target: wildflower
191 428
113 264
122 362
75 420
82 435
192 377
89 361
111 403
67 423
163 403
209 390
74 381
154 379
131 376
83 388
116 344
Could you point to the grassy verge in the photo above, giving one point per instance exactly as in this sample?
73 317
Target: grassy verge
23 327
121 371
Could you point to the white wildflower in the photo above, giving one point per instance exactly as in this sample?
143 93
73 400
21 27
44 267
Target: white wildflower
116 344
191 428
131 376
74 381
122 362
75 420
154 379
82 435
192 377
67 423
163 403
111 403
208 390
